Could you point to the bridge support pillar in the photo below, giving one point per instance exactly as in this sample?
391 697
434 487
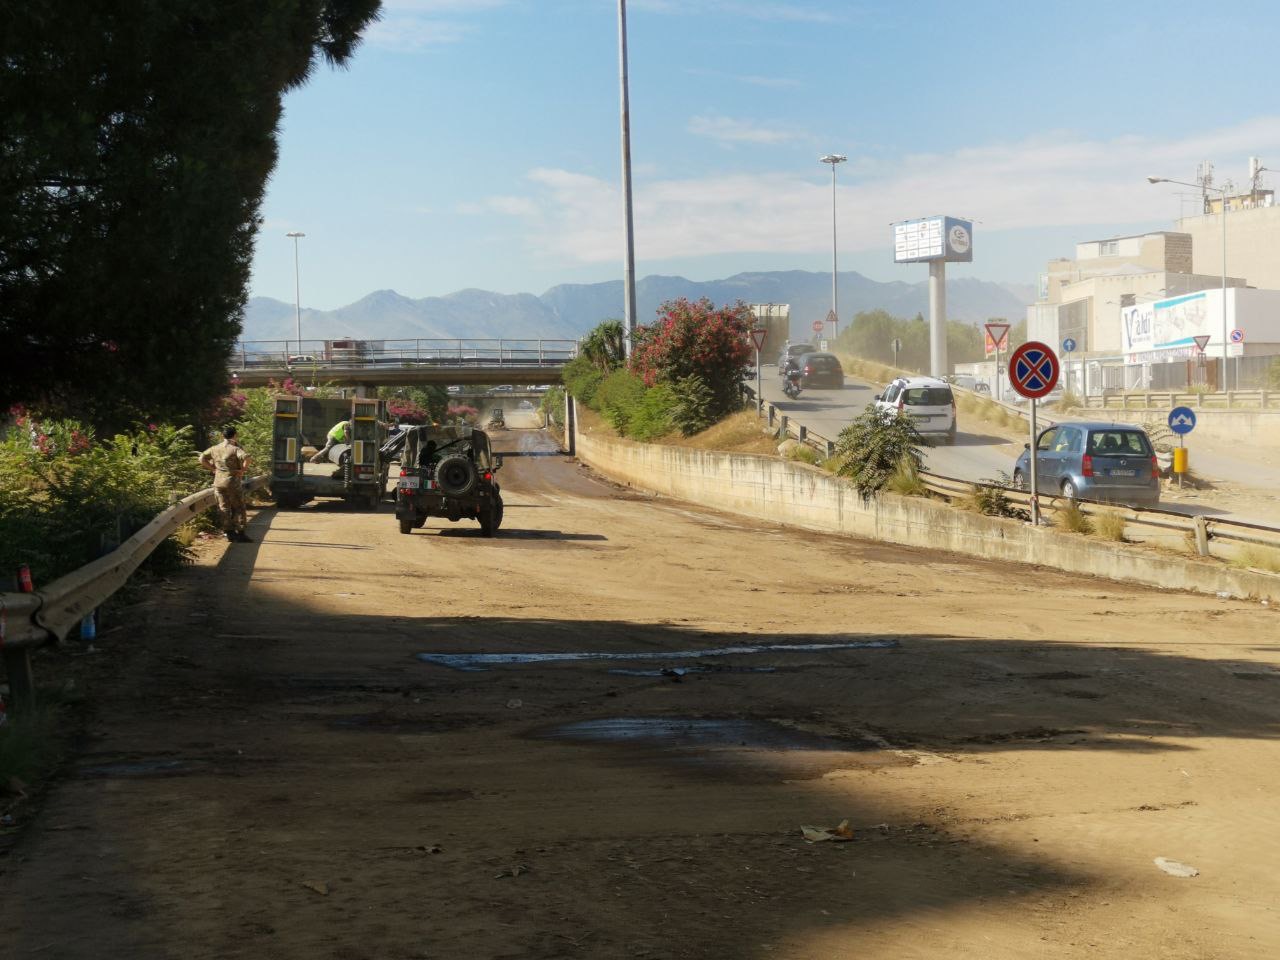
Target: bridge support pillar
570 424
366 390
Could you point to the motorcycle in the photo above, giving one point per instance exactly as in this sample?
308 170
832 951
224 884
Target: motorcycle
791 384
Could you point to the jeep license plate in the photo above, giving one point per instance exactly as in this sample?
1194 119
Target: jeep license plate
409 483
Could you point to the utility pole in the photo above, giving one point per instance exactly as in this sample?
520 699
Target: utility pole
297 289
833 159
629 263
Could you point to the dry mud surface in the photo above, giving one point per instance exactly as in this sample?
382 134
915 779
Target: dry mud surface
274 772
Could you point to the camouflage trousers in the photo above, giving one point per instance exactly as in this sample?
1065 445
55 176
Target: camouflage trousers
231 505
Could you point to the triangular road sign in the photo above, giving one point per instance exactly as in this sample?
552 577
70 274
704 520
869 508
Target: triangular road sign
757 336
999 333
1202 341
831 317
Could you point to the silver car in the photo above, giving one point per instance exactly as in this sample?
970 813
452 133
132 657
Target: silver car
1108 462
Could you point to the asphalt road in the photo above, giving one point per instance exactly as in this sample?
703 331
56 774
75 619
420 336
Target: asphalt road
980 454
977 454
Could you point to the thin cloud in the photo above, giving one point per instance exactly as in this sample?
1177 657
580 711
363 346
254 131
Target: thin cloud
729 130
1052 180
411 26
776 83
792 12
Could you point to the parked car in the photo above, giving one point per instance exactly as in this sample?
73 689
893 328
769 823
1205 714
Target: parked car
1108 462
453 389
794 351
821 370
927 400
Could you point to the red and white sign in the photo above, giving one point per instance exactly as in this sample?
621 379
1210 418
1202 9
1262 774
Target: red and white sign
997 337
1202 341
817 326
757 337
1033 370
1237 335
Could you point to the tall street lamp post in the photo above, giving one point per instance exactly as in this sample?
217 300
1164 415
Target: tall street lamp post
833 159
1222 192
629 263
297 288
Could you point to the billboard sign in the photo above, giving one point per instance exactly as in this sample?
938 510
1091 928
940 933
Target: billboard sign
933 238
1167 325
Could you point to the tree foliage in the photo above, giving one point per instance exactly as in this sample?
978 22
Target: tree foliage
697 339
875 446
872 332
605 346
136 145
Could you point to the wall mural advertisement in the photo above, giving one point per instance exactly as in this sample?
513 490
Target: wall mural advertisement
1167 328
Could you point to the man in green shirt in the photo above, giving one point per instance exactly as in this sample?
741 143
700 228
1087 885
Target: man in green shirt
340 433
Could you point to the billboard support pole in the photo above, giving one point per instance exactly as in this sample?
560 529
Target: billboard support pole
938 318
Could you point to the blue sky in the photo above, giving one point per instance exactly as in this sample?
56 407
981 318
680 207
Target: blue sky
474 143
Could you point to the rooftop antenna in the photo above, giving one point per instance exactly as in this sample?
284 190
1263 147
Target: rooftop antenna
1204 177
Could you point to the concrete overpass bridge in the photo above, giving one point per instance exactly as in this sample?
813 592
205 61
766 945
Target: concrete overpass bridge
401 363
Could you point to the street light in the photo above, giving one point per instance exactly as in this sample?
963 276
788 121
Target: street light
1221 191
297 288
833 159
629 257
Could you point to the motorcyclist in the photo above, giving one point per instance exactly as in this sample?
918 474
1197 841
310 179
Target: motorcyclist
791 377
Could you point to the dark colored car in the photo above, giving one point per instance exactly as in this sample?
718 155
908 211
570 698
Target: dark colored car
1109 462
793 351
821 370
448 472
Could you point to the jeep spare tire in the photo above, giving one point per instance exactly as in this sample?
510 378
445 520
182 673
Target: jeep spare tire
455 476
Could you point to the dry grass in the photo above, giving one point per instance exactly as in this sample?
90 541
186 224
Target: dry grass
1110 525
906 481
1258 558
1071 517
741 432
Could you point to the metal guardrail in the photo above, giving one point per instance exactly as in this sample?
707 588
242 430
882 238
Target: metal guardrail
1166 400
47 615
323 355
1203 530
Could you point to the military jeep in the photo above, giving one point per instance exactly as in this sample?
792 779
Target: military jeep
448 472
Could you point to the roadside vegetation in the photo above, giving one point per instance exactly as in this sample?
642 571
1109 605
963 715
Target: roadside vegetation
67 495
683 376
876 446
871 334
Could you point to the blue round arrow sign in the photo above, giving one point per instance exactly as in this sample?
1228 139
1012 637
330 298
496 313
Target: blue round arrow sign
1068 345
1182 420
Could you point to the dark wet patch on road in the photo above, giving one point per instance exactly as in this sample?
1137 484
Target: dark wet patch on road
482 661
701 732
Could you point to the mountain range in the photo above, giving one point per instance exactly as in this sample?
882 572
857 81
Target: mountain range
570 310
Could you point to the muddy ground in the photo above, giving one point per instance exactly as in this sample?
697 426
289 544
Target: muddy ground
273 772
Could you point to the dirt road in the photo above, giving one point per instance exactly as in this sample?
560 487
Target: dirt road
274 773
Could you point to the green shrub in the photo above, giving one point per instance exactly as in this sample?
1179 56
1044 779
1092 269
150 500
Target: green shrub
64 494
991 499
651 417
617 397
552 407
582 378
695 405
874 446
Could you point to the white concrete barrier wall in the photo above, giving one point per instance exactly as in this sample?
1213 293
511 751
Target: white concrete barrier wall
797 495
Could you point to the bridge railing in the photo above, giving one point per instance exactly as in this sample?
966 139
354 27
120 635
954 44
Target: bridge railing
323 354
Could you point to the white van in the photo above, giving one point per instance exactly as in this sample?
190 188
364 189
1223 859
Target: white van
927 400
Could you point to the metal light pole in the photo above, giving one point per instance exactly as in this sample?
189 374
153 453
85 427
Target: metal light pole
297 289
629 263
1222 192
833 159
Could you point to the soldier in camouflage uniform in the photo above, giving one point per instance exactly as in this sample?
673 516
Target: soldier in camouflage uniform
227 462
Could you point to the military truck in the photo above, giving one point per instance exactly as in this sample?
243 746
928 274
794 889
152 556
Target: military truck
355 471
449 472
